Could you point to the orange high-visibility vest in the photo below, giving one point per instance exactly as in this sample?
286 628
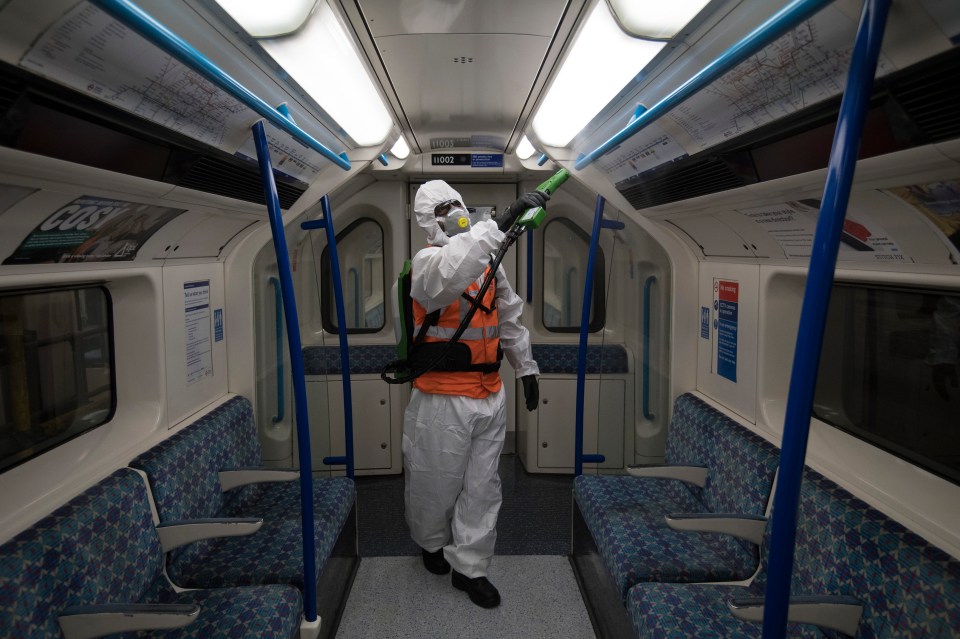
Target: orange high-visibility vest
482 336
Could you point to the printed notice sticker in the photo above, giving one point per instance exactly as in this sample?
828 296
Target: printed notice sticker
726 302
196 299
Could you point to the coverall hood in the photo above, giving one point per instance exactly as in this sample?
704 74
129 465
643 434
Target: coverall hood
428 197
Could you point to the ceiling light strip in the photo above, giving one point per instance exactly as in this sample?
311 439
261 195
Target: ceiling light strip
144 24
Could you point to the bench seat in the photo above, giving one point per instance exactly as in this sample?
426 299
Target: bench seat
625 514
184 477
102 547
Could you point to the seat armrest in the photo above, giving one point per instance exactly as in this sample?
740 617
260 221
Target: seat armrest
89 622
696 475
835 612
242 476
174 534
749 527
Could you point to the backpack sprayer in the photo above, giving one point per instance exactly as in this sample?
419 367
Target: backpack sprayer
405 369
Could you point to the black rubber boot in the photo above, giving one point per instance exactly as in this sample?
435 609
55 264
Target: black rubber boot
434 562
481 591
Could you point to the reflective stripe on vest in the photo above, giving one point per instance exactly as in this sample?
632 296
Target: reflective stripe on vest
482 337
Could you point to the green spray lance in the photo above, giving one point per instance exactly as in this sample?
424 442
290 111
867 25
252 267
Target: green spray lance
530 219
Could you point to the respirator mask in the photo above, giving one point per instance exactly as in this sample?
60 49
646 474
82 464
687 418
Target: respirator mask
452 217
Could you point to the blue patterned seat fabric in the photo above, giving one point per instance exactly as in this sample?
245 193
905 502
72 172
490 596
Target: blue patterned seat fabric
183 472
625 515
364 359
843 547
561 359
102 547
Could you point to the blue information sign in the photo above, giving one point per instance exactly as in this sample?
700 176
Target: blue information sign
486 160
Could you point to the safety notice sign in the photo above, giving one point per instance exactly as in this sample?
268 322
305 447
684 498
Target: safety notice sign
726 302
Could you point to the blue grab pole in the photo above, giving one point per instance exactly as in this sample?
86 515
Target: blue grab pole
579 457
296 366
134 17
816 298
777 25
327 224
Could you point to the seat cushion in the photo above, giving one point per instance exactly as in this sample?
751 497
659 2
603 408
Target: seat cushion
681 611
333 498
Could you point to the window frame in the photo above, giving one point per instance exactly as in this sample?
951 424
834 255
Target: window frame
327 306
30 453
599 302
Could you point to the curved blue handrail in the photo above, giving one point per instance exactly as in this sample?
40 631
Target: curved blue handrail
278 305
646 346
296 366
579 457
327 224
775 26
144 24
813 314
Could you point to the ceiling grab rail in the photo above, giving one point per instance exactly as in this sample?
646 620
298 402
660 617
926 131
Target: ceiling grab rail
813 314
598 222
134 17
326 223
296 370
775 26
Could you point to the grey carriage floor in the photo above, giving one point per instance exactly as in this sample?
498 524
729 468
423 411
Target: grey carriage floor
396 598
534 518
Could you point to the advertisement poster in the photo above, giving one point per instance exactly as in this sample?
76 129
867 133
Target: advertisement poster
940 203
196 302
92 229
792 225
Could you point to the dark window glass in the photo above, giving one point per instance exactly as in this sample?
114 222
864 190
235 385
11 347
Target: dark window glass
56 369
360 249
565 251
888 372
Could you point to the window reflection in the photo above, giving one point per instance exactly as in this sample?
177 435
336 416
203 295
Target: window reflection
360 251
565 251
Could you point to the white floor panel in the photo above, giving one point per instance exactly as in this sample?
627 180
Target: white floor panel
396 598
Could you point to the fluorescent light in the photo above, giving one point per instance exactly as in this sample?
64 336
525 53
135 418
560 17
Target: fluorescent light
281 18
602 60
525 149
322 60
400 149
655 18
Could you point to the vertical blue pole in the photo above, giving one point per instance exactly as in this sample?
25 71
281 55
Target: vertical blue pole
341 332
579 457
816 297
296 366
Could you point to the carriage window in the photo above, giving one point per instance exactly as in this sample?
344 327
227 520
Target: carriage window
360 249
565 251
888 372
56 369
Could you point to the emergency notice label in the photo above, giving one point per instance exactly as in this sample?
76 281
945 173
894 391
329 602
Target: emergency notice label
726 302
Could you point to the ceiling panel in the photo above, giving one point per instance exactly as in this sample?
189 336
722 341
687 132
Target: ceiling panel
462 84
396 17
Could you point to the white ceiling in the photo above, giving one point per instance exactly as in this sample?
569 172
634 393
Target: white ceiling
461 68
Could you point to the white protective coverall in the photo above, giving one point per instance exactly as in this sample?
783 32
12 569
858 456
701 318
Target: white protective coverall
451 443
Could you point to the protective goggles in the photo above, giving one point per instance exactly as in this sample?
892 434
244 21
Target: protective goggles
441 210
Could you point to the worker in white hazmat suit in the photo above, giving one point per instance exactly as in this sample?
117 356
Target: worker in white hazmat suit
454 426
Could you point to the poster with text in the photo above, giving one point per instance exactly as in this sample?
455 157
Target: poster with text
92 229
940 203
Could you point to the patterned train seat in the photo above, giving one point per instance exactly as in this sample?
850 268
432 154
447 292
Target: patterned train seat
184 477
625 514
102 548
845 548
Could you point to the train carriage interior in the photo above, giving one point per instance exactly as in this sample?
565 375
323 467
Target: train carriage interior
742 295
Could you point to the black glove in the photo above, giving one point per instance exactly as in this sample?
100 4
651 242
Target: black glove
531 391
531 200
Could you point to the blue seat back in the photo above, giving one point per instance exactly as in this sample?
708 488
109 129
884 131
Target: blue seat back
100 547
183 469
